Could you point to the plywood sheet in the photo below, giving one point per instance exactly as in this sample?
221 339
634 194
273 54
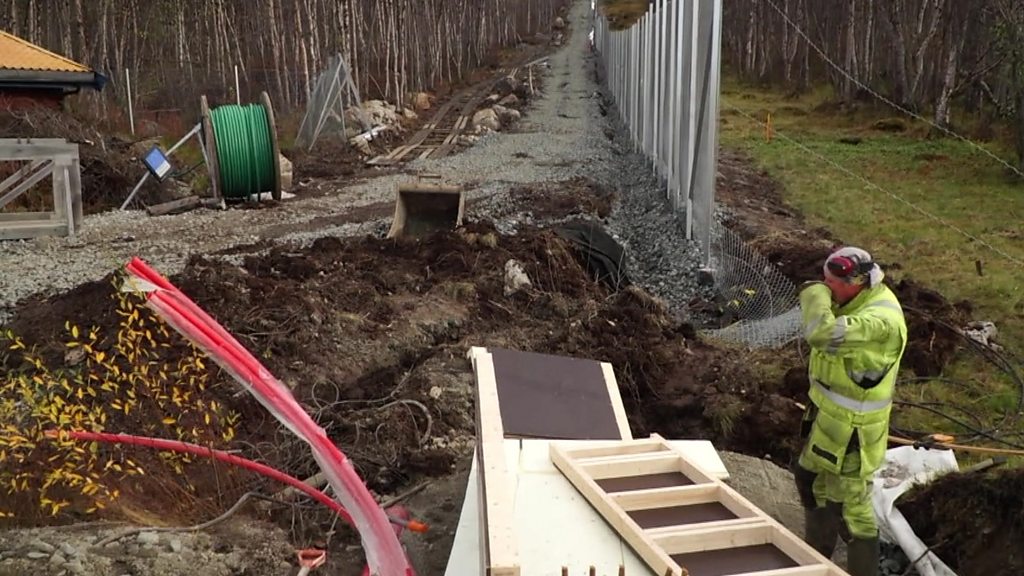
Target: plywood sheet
546 396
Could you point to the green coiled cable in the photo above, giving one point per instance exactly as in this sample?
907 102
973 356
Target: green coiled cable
244 149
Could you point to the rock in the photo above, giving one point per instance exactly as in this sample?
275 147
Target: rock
362 145
40 546
515 278
148 538
493 98
286 172
58 559
510 100
468 140
421 101
487 118
380 112
409 114
435 392
148 553
175 545
37 555
75 567
68 550
506 115
559 24
890 566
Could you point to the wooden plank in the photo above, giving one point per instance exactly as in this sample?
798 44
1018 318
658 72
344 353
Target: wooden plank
21 173
45 170
32 229
662 497
25 216
496 490
613 448
175 206
685 529
687 541
812 570
638 465
616 396
644 546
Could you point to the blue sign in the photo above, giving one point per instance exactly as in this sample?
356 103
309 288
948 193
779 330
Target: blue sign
157 163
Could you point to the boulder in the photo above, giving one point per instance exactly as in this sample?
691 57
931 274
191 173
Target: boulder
487 118
506 115
559 24
510 100
421 101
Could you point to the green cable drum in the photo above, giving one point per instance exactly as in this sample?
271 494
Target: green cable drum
245 144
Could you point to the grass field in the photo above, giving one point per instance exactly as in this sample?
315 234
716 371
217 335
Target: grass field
934 206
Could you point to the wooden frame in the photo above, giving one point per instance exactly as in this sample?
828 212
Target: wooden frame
49 158
584 468
497 492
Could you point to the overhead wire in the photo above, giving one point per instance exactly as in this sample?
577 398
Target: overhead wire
846 74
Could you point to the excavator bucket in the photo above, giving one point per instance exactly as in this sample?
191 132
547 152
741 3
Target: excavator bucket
425 207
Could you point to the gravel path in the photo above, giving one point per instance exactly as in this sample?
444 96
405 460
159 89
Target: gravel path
563 135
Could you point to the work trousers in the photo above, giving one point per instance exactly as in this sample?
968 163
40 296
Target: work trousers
846 493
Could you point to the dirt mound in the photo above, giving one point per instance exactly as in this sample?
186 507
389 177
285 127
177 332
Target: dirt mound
371 336
557 200
109 170
931 342
986 541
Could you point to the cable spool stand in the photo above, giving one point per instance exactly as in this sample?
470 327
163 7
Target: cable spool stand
225 184
238 166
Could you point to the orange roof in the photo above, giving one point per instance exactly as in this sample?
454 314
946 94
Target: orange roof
18 54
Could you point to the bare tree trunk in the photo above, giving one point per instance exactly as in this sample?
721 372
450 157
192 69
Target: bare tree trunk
82 50
850 52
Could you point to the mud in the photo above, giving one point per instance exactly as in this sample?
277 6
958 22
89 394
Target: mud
972 521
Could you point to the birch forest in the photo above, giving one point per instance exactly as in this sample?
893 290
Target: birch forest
176 50
932 57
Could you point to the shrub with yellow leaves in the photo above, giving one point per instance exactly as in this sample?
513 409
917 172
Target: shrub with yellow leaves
145 381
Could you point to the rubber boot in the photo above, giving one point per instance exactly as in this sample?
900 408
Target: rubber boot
822 529
862 556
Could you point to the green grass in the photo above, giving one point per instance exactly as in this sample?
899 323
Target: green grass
946 177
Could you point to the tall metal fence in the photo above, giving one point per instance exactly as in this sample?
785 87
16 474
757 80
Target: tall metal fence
664 74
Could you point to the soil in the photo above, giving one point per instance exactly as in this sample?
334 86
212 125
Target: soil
972 521
558 200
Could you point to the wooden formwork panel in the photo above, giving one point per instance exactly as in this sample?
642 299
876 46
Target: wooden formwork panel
679 518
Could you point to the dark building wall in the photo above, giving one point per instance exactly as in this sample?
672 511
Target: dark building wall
27 99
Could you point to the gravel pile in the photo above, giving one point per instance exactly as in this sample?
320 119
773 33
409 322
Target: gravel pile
562 135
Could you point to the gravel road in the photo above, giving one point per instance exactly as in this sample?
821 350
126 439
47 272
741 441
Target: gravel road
563 135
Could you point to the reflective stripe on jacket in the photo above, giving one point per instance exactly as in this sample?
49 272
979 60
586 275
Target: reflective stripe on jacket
854 360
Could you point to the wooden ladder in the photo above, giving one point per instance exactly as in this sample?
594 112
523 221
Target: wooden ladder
678 518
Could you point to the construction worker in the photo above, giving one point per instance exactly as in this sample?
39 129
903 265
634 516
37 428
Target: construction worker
855 327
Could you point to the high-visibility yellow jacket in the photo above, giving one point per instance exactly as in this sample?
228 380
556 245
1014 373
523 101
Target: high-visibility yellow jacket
855 355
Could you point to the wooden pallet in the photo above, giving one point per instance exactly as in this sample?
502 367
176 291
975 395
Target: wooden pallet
680 519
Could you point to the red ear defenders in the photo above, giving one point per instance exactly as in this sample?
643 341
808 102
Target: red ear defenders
844 267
